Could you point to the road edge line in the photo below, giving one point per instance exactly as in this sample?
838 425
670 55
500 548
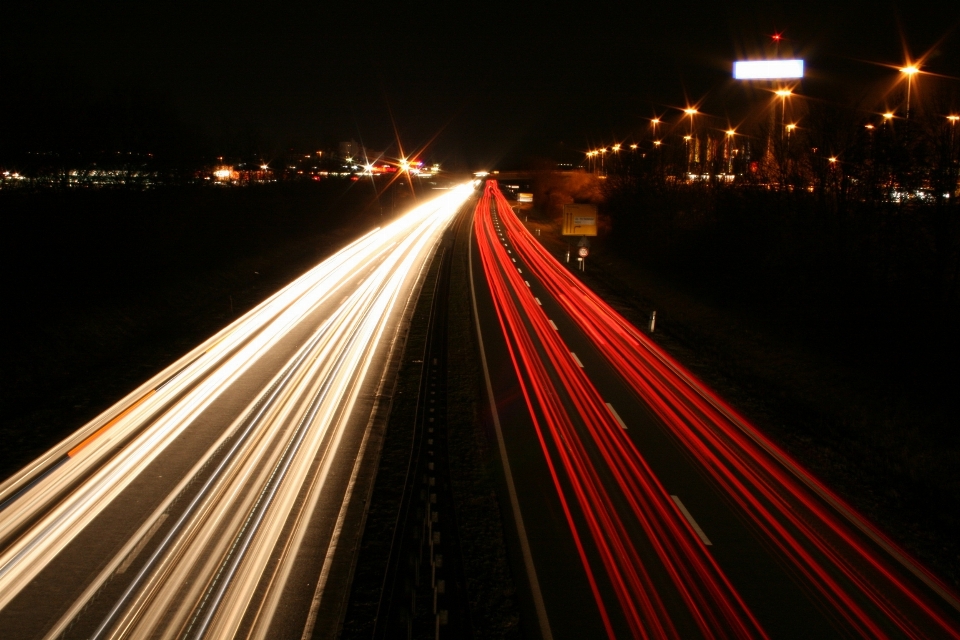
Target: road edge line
539 605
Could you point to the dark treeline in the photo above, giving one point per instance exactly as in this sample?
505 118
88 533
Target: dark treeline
854 213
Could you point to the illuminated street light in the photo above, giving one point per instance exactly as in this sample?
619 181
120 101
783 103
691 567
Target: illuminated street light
783 95
690 111
832 159
656 143
910 71
730 152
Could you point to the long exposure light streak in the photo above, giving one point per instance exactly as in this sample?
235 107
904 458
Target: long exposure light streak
712 602
209 566
855 569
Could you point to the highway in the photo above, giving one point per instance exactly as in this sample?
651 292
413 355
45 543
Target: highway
644 506
219 499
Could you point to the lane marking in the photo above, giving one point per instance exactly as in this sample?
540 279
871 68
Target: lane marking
538 301
693 523
545 632
527 282
616 415
553 325
519 270
99 432
140 545
576 359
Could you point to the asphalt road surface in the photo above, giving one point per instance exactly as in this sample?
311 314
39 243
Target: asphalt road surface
212 501
643 505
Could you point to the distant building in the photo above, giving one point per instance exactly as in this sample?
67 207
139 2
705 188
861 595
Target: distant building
349 149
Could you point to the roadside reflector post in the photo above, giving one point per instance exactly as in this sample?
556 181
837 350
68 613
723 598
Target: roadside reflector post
568 254
653 321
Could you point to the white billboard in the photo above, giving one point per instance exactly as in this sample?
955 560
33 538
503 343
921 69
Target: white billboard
767 69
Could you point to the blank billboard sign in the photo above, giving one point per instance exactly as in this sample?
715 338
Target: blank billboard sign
767 69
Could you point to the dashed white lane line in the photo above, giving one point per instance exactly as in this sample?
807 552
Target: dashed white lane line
576 359
553 325
527 282
616 415
519 270
538 301
693 523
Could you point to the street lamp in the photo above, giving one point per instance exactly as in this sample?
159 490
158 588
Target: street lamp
910 71
730 152
690 111
783 94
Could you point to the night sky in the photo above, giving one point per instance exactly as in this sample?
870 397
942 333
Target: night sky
479 83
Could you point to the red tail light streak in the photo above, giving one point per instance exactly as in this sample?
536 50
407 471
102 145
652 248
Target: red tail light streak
711 600
871 587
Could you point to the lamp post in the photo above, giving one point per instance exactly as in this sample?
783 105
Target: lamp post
690 111
783 94
910 71
730 150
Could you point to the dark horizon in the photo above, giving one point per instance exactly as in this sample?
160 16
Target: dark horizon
475 88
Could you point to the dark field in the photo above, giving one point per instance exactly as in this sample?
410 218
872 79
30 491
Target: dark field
104 288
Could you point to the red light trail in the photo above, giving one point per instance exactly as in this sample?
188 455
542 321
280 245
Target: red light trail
711 600
850 566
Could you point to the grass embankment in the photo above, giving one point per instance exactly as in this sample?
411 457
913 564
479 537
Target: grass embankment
860 399
490 586
474 467
105 288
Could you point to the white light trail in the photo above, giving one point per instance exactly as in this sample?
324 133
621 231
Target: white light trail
319 393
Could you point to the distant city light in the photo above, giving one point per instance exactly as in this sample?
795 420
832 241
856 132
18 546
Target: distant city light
767 69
